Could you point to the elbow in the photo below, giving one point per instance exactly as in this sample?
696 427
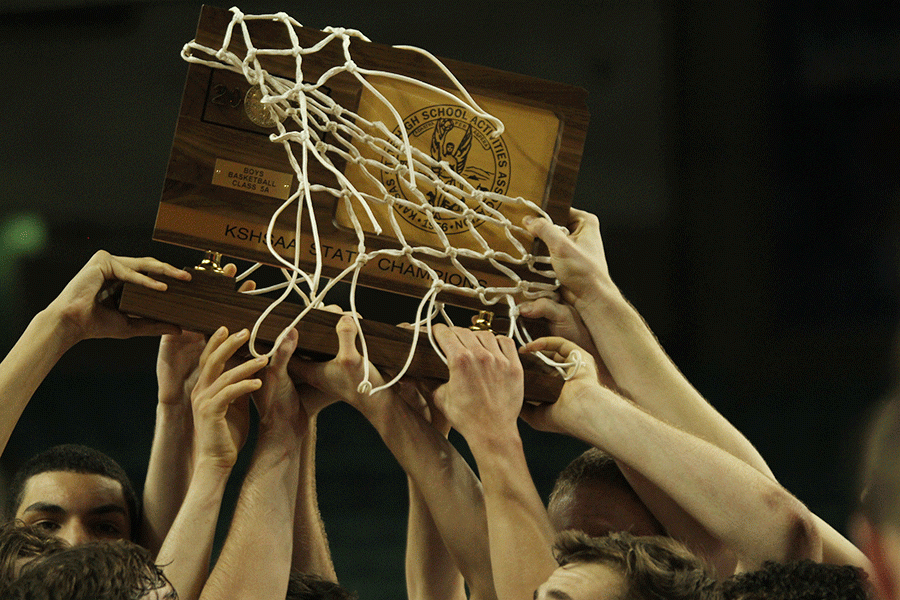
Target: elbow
802 539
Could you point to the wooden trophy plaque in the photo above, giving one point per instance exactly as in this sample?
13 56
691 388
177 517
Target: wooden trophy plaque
226 178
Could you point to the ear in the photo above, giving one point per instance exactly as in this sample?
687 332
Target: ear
873 544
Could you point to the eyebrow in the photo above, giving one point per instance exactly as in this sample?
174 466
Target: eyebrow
554 593
56 509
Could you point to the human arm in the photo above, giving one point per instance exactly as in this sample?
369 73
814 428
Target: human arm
642 370
220 416
482 400
170 465
734 502
311 553
448 486
73 316
267 500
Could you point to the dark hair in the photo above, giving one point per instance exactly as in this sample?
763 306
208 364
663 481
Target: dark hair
797 580
306 586
593 465
652 567
73 458
879 482
108 570
18 541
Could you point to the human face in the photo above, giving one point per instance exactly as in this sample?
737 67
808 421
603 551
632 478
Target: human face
75 507
582 581
599 509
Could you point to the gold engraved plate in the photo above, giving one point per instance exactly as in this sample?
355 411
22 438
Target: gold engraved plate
255 180
256 111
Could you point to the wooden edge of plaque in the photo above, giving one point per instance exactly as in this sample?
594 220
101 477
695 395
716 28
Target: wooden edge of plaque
210 300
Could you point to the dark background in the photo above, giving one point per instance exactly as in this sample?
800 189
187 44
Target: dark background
742 157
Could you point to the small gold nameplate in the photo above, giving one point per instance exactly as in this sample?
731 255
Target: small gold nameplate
255 180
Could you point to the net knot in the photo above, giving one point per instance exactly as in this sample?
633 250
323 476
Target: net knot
321 147
351 67
364 387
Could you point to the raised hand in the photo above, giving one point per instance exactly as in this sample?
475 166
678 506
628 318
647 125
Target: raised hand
578 394
578 259
221 399
84 317
278 402
485 389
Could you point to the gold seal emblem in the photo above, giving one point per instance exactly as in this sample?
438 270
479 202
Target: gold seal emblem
258 113
464 141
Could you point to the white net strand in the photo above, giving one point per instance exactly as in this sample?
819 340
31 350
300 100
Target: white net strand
315 114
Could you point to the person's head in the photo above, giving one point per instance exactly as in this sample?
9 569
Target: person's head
106 570
20 544
592 495
796 580
74 493
876 525
306 586
621 566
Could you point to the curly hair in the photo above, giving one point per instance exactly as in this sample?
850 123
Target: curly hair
108 570
306 586
797 580
653 567
19 541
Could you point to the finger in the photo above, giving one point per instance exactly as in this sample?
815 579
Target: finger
285 350
235 375
230 269
448 340
488 341
543 308
545 230
248 285
548 345
346 333
147 265
233 392
508 347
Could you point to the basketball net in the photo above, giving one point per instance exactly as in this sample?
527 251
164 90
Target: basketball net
315 117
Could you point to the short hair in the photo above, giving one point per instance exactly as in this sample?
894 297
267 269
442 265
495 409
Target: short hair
107 570
879 480
306 586
797 580
73 458
18 541
593 465
653 567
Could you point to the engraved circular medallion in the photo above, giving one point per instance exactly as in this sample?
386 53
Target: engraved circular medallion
258 113
452 135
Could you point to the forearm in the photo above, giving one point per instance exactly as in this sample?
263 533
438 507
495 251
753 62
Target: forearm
188 545
168 472
431 573
747 511
646 374
262 519
519 530
44 341
448 486
311 553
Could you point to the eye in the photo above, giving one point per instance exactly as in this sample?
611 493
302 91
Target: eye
46 526
107 529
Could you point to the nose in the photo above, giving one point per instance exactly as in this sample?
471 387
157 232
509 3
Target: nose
75 533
